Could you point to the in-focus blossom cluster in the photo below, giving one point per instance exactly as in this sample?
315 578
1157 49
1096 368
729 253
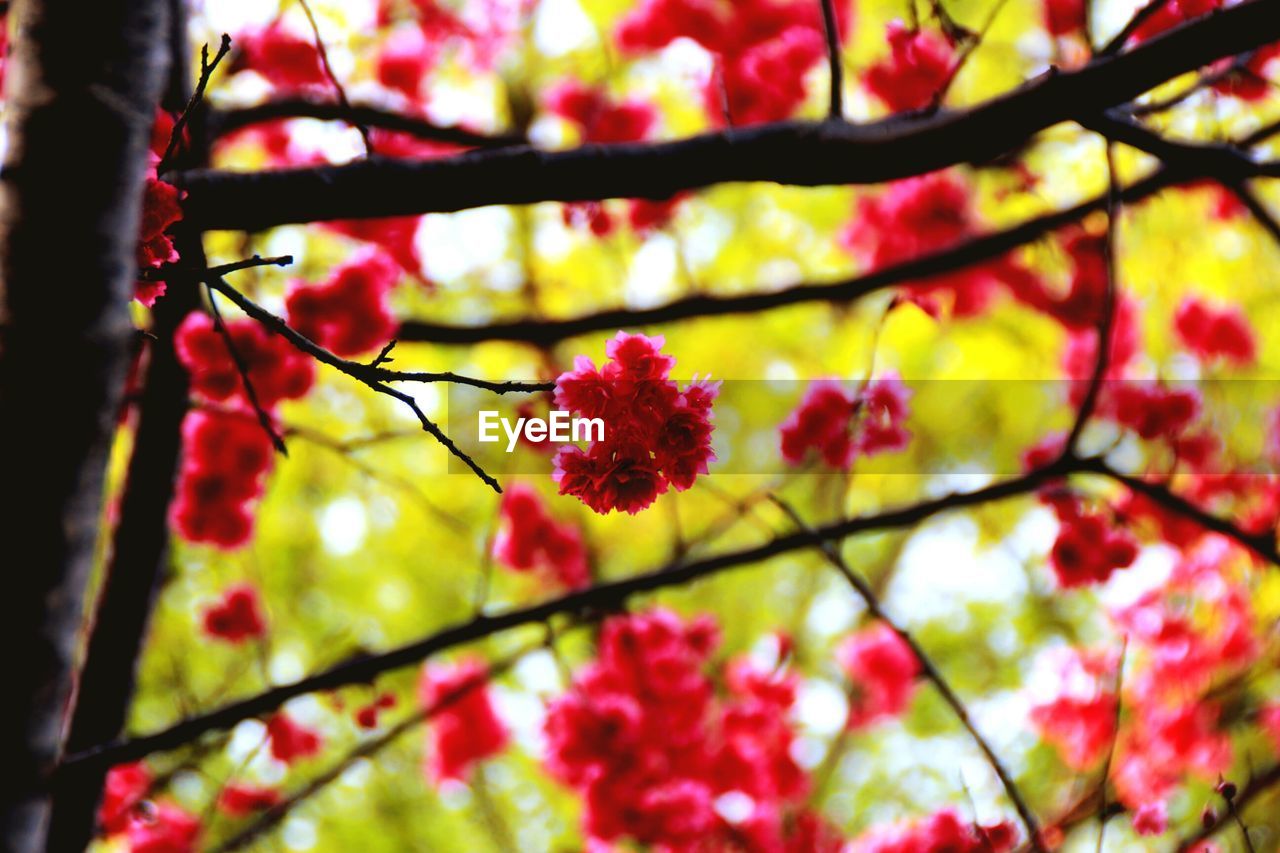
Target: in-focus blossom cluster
530 539
653 747
656 434
763 50
226 453
840 425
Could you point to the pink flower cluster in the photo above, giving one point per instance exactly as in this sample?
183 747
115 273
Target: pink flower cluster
917 67
763 50
1088 548
226 457
144 825
348 313
840 425
656 434
464 727
941 831
236 616
531 539
883 670
226 454
160 209
645 738
1195 631
915 217
1212 333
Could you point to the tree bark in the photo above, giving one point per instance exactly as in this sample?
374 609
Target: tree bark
83 80
135 568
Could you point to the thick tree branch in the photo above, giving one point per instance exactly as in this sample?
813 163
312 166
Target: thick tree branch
81 88
546 332
224 122
796 153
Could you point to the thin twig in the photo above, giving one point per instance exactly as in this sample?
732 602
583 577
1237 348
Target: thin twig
197 95
242 367
1111 748
928 668
333 78
1106 321
835 103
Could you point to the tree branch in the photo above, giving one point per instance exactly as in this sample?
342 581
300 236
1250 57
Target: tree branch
224 122
796 153
931 672
603 596
1258 786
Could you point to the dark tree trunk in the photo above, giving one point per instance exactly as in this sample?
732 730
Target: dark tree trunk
136 566
82 83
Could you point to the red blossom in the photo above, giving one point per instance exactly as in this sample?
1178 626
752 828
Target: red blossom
290 740
348 312
650 745
277 370
1080 722
763 50
883 670
237 616
1172 13
1088 547
126 786
530 539
1211 333
915 217
226 457
288 61
239 800
941 831
918 65
162 828
464 728
841 426
656 435
1065 17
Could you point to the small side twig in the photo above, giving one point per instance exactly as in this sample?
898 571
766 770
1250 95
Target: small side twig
835 107
197 95
242 367
1140 17
333 78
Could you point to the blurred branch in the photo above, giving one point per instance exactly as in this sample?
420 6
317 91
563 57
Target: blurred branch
603 596
1106 321
333 78
979 249
276 814
795 153
224 122
835 68
928 668
1256 787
